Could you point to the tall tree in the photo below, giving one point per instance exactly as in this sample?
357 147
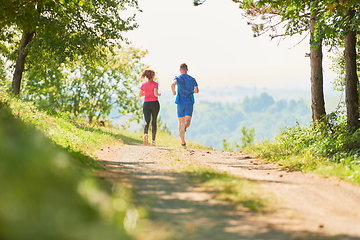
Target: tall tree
66 27
316 65
27 37
344 18
351 77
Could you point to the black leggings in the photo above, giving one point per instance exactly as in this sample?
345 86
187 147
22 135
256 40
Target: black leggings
151 111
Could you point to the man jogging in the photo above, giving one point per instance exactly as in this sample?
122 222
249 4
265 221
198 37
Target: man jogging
186 87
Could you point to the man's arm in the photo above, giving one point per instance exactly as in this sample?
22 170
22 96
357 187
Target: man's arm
196 89
173 85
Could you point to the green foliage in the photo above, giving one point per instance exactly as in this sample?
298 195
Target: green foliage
290 17
62 30
247 138
326 147
83 23
46 196
328 138
226 146
87 88
338 66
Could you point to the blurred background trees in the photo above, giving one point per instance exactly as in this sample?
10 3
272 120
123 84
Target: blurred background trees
70 56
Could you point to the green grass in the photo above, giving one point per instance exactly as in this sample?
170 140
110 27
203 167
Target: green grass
328 150
64 132
44 192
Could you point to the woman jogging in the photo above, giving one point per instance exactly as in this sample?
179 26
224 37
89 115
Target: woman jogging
151 107
186 87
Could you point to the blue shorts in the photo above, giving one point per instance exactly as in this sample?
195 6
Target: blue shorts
185 110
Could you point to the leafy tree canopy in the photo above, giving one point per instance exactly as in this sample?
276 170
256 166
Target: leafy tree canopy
293 15
67 27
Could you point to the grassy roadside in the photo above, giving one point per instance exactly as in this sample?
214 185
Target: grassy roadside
321 151
48 163
50 192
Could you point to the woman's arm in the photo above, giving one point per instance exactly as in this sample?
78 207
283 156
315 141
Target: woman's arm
141 93
156 92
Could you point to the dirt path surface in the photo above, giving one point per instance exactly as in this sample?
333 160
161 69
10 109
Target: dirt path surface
308 206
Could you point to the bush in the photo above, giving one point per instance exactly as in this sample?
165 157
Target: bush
328 138
326 147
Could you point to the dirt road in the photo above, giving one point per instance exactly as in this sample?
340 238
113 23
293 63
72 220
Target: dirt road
308 206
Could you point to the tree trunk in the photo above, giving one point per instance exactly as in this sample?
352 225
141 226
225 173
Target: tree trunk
20 62
351 77
316 78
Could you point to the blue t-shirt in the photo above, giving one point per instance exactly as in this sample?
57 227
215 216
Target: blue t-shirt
185 89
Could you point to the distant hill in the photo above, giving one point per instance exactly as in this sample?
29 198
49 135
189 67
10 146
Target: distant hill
221 112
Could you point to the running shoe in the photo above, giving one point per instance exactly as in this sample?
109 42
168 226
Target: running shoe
183 145
146 141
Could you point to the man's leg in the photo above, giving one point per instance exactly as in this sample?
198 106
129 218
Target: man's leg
188 115
184 123
182 129
187 121
184 116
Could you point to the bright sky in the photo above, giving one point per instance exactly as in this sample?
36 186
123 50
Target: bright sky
218 46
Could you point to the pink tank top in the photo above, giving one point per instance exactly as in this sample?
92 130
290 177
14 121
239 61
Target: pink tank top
148 88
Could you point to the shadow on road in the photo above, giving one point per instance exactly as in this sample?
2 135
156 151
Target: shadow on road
177 204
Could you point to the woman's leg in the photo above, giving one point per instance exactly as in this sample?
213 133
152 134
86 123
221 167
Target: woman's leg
155 113
147 117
